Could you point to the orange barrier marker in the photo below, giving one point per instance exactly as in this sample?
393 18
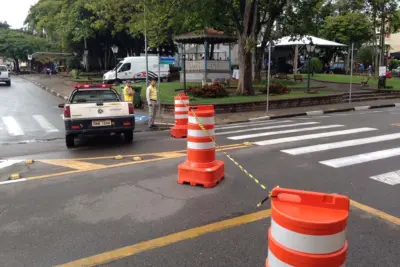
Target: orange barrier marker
308 229
201 168
181 116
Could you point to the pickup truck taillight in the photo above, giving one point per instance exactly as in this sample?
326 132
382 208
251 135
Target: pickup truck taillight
131 108
67 112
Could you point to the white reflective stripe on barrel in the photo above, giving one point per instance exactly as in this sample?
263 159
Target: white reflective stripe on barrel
200 133
181 102
181 116
275 262
313 244
195 145
181 109
202 120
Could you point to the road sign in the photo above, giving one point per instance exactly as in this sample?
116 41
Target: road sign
167 60
141 118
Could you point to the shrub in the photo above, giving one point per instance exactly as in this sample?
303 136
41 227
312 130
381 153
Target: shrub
75 73
209 91
316 65
276 88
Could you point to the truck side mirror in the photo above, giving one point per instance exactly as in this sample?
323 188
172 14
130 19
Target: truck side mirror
61 105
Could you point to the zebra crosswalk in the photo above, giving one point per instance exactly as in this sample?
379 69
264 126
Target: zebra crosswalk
297 138
35 126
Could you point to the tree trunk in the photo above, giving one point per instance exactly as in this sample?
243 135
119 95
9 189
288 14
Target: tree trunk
16 64
211 56
245 85
258 66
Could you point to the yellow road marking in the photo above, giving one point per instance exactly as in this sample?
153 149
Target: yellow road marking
167 240
73 164
128 251
161 155
378 213
395 124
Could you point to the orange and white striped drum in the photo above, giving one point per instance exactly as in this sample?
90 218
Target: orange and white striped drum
308 229
181 116
201 167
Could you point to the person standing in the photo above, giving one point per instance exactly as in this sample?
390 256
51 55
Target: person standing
129 93
152 101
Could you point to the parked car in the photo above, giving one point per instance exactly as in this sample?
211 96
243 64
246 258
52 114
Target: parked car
5 75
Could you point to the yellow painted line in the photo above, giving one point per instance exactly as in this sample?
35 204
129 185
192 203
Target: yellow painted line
154 153
127 251
74 164
395 124
378 213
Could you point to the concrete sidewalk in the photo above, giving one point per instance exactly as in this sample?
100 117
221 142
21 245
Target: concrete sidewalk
62 88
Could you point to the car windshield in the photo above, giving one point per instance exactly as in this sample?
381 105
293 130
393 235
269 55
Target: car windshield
118 65
3 68
94 96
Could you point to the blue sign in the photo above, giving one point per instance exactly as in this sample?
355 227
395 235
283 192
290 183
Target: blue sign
141 118
167 60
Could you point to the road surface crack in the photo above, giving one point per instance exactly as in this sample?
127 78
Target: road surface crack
158 193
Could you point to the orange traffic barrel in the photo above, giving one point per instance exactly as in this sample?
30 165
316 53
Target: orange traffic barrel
308 229
201 167
181 105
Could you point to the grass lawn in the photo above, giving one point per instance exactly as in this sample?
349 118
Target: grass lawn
88 79
393 82
167 94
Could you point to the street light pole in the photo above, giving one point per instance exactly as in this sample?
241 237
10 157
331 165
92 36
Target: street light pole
310 48
145 47
268 74
30 64
114 49
351 72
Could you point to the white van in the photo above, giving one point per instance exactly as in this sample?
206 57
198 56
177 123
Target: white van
134 68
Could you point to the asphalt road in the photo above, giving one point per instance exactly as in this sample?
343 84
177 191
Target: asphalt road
31 115
28 114
55 220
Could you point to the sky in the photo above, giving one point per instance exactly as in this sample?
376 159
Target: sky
15 11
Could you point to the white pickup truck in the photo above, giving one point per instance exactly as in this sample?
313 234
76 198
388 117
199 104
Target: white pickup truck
97 110
5 75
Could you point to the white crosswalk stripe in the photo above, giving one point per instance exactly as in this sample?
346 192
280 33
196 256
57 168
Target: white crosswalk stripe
241 137
391 178
254 133
12 126
362 158
268 128
342 144
45 124
312 136
19 126
244 125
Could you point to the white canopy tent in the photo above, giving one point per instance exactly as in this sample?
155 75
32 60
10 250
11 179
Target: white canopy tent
292 41
302 41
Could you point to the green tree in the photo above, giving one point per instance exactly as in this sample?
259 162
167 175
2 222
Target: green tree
17 45
349 28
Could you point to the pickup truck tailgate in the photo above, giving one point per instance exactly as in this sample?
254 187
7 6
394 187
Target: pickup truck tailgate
98 110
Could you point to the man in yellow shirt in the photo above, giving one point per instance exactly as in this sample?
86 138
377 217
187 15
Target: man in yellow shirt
152 101
129 93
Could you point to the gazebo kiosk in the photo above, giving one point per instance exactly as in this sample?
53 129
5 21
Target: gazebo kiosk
201 67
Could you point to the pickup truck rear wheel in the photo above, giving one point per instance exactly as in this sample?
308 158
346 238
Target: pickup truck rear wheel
128 135
69 141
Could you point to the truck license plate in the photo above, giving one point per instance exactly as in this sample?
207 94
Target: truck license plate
101 123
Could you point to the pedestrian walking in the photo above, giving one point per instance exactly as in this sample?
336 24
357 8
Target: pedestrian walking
152 101
129 93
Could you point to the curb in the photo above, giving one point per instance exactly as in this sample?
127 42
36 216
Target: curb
321 112
63 97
